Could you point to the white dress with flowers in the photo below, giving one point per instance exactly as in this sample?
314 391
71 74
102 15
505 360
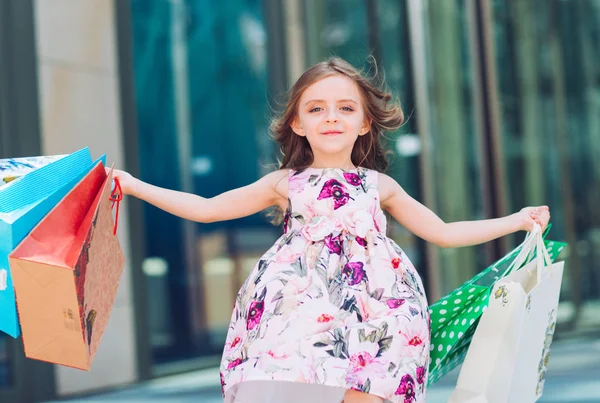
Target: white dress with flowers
333 305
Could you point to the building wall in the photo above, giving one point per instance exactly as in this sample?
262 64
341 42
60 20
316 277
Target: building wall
79 106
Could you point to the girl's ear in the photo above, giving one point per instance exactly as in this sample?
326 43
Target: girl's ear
366 127
297 127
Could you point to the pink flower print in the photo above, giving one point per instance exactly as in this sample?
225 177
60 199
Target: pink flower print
316 208
277 355
286 221
333 188
360 361
378 217
315 316
297 181
334 244
267 353
360 367
352 179
318 228
361 241
234 363
395 303
286 255
364 363
233 377
420 375
296 285
255 312
222 383
358 222
414 339
235 342
235 338
354 272
407 388
289 253
308 372
324 318
370 307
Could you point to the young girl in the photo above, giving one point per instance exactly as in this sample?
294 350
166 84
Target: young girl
334 311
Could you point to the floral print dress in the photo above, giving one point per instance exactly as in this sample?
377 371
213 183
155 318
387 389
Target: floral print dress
333 305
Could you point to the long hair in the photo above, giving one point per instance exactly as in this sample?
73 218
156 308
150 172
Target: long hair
384 113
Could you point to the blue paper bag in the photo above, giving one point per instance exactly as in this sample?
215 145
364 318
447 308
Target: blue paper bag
13 168
24 201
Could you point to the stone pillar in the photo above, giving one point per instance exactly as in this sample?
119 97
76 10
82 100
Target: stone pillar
80 106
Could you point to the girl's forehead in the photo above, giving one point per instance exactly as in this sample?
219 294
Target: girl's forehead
331 88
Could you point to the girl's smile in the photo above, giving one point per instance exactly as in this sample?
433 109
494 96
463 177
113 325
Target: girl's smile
331 132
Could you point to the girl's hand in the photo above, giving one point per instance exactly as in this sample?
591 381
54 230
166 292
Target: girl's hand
128 182
529 216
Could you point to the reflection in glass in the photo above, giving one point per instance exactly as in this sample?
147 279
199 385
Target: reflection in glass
337 28
395 61
547 57
201 82
455 153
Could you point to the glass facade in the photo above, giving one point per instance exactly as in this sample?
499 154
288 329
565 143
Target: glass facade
549 91
391 36
201 80
203 106
336 27
455 144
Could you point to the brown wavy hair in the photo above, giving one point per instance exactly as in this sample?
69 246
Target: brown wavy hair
384 113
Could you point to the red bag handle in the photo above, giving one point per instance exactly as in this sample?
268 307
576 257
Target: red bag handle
115 197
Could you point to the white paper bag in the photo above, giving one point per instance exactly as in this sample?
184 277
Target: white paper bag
507 359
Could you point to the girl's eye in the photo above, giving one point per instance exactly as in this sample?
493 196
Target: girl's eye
316 109
347 109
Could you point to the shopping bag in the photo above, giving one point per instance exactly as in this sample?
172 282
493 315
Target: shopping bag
66 273
509 353
454 317
24 201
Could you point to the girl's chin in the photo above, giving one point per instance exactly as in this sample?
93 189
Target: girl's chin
334 147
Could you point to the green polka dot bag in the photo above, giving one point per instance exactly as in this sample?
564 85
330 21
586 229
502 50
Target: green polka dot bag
454 318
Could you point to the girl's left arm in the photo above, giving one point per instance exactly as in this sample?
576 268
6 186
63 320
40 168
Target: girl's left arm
427 225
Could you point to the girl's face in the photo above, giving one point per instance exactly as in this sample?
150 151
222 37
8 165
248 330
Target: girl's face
331 116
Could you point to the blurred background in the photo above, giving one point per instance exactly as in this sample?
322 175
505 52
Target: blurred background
502 100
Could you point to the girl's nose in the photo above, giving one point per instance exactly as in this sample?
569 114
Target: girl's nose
331 116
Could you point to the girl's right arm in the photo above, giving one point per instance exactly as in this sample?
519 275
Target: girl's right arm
268 191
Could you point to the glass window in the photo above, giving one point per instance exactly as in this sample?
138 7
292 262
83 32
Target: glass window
547 57
337 28
201 82
454 156
405 144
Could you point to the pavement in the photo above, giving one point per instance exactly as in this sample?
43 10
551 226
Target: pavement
573 377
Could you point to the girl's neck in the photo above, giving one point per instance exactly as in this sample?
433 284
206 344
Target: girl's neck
345 163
